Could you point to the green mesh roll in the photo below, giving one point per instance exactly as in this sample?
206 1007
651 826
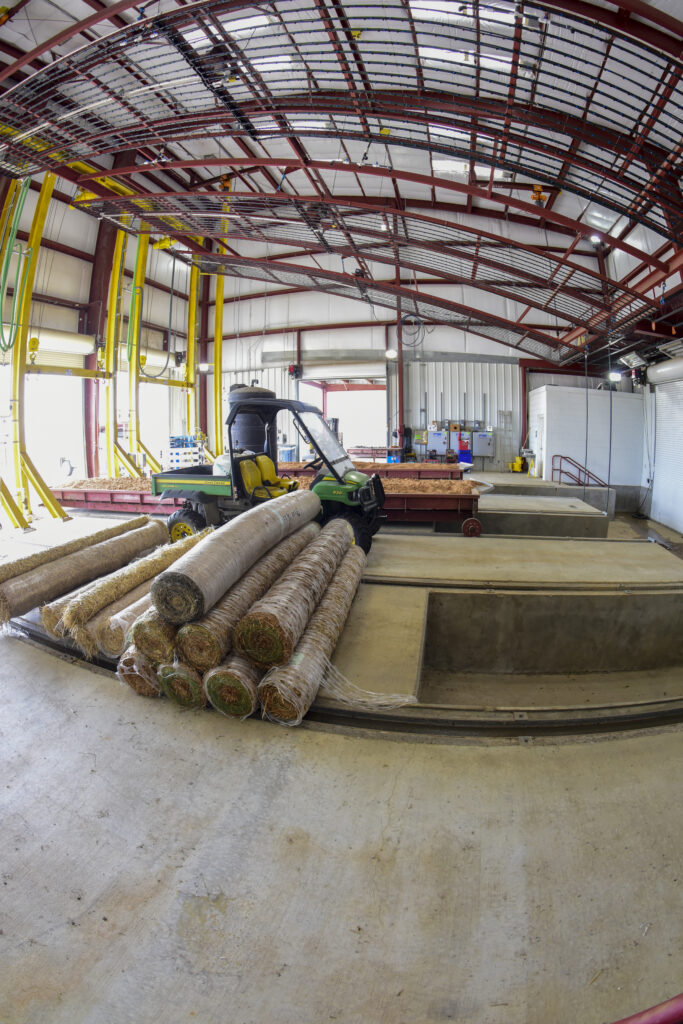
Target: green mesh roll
232 688
182 685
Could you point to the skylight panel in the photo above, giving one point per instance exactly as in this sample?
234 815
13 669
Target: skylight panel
454 13
434 54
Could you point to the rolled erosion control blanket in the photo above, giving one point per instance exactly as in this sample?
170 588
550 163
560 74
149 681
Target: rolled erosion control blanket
51 614
204 644
269 632
22 565
111 633
200 578
287 692
139 673
86 637
41 585
182 685
232 688
153 636
105 591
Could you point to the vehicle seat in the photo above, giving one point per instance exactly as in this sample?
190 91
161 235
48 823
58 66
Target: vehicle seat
269 476
253 484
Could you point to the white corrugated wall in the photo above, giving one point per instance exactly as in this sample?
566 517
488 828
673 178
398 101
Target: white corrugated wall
486 391
667 491
275 378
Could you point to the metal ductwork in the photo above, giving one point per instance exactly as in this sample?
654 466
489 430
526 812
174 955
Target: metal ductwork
662 373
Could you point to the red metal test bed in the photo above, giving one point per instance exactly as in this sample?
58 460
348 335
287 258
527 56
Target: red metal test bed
399 508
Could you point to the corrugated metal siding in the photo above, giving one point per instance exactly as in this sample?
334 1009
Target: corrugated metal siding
465 390
667 491
275 378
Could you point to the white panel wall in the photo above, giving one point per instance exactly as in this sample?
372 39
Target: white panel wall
667 492
487 391
558 417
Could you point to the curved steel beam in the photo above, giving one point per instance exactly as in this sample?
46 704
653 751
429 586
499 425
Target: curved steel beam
240 208
388 295
648 31
431 181
659 161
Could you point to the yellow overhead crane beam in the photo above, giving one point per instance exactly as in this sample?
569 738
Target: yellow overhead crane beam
218 338
14 513
24 470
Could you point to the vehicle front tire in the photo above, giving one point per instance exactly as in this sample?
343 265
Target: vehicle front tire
184 523
362 529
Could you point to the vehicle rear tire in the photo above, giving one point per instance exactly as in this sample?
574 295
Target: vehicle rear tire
362 529
185 522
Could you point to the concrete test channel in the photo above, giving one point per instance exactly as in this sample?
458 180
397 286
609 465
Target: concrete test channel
507 635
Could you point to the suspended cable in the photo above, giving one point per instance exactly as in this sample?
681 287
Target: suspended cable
11 248
156 376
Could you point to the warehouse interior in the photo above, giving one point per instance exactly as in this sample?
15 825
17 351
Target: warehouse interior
341 388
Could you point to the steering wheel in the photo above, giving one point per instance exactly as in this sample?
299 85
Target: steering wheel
317 463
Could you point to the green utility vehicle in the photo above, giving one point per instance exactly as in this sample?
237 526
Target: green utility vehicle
247 474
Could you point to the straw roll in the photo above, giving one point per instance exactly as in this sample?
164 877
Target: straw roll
287 692
41 585
204 644
269 632
21 565
200 578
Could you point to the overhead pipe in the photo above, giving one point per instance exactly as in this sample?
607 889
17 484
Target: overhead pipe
663 373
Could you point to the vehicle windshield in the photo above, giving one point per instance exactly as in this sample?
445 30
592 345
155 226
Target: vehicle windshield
333 452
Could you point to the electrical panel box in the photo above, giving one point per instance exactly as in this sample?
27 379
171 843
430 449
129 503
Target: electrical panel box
483 443
465 441
438 441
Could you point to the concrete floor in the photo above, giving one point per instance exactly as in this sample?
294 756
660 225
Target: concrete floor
168 866
161 866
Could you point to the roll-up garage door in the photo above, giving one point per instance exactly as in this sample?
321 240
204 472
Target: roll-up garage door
667 492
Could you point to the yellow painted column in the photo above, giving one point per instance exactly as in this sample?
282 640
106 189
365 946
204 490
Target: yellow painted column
191 358
135 445
14 513
25 471
114 313
218 365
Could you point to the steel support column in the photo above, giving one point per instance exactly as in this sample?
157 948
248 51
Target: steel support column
9 191
116 455
191 354
218 365
135 444
24 469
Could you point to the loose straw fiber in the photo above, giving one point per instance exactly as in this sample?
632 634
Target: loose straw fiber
232 687
22 565
269 632
182 685
87 637
200 578
51 614
287 692
43 584
139 673
203 644
153 636
112 633
107 590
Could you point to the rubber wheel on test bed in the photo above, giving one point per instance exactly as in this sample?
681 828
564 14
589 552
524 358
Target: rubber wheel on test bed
471 527
184 523
362 530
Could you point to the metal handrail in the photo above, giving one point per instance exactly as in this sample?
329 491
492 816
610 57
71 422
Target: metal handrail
582 475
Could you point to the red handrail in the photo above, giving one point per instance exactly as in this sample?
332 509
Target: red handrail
581 475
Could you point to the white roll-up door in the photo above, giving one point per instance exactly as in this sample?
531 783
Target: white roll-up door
667 492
